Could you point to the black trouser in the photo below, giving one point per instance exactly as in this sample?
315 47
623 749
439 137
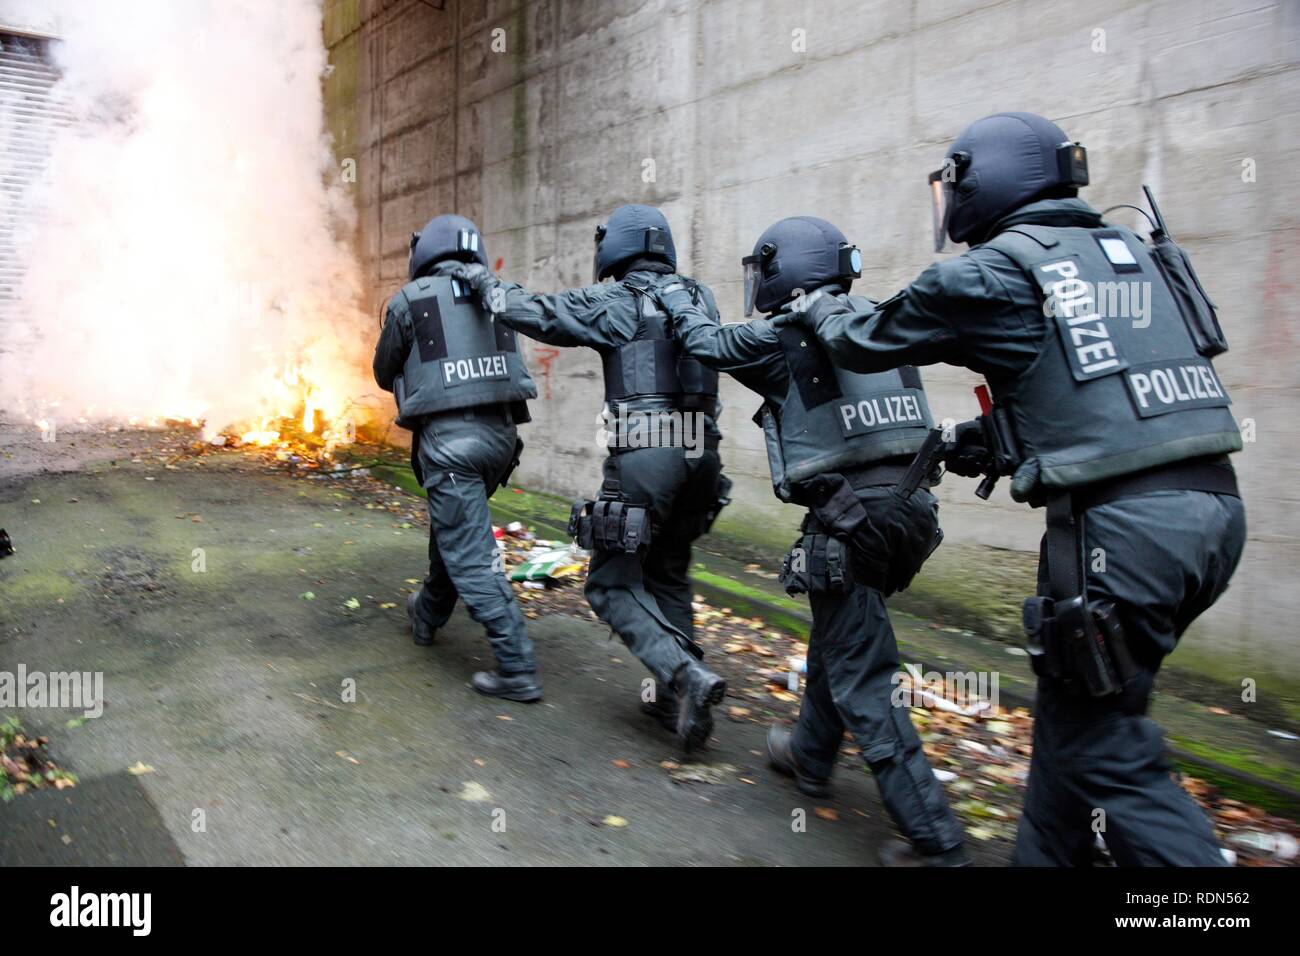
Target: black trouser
645 597
852 660
461 458
1100 762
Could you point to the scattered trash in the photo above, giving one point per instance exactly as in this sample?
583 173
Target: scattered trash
932 699
549 564
1281 845
473 792
613 821
712 774
6 544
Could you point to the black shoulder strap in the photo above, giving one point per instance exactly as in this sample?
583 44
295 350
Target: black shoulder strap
1065 559
810 366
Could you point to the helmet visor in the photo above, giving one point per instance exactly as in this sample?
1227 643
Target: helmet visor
941 192
753 266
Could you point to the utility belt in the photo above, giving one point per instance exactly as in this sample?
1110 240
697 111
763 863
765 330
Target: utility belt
1082 642
493 413
888 472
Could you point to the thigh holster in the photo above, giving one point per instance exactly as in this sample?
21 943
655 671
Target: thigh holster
610 523
817 562
1068 637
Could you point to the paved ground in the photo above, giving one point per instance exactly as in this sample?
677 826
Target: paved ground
225 686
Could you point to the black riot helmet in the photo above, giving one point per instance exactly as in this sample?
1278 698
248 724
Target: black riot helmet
801 253
632 232
999 164
446 237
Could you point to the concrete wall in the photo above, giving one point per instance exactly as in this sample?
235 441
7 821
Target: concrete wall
751 110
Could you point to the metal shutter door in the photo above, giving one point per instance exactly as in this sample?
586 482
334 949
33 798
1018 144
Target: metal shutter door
30 118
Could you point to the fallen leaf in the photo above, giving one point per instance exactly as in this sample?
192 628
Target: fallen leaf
826 813
474 792
613 821
620 763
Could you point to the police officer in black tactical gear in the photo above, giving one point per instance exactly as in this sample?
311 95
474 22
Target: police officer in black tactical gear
461 386
1118 425
837 442
663 484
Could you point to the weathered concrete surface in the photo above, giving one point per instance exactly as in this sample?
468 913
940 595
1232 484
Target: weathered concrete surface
228 684
746 120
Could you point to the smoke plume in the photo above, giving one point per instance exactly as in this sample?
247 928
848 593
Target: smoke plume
191 254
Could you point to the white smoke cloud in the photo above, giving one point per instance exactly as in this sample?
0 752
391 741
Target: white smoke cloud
194 235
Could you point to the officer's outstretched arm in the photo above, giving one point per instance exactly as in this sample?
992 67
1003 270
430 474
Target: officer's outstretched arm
566 318
909 329
701 336
393 345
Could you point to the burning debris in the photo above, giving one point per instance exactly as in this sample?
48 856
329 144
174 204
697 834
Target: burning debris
216 280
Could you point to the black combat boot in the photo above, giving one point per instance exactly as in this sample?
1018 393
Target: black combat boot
898 853
421 633
780 754
523 687
697 689
663 708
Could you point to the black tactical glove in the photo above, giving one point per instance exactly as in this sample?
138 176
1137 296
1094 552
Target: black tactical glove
479 278
806 310
969 457
675 297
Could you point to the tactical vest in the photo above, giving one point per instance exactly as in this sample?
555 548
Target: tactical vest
460 357
650 365
1109 394
833 419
